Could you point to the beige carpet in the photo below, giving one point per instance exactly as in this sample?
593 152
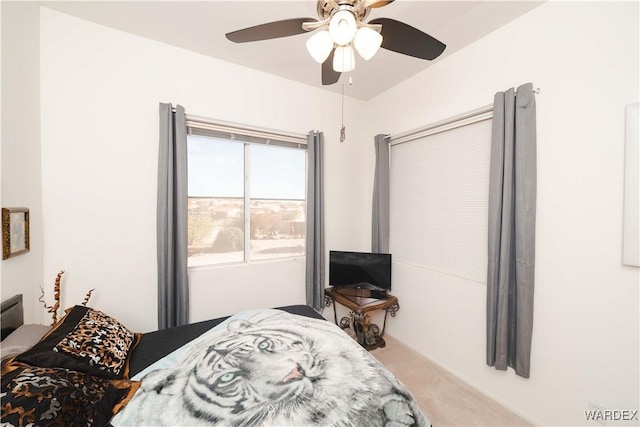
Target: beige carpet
445 399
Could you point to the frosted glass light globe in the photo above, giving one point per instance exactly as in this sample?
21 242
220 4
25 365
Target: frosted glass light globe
319 46
367 42
343 59
343 27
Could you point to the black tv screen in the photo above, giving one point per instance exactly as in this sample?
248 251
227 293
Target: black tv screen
360 268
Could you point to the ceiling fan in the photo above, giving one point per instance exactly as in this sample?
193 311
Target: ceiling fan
342 28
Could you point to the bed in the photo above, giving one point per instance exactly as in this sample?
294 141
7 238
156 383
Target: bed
282 366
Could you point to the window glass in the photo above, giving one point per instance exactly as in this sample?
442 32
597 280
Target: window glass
277 172
217 199
216 167
277 201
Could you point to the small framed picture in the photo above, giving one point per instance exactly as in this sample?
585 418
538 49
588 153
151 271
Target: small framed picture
15 231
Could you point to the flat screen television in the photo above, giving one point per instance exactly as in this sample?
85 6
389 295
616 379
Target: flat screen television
360 269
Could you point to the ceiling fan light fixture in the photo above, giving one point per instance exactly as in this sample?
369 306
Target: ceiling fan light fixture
319 46
344 59
343 27
367 42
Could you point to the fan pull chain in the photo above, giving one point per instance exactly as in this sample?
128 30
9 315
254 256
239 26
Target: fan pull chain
342 129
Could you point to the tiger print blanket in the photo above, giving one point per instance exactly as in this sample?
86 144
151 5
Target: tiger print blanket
270 368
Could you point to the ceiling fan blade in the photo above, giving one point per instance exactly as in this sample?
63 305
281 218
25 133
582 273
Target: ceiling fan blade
377 3
407 40
271 30
329 75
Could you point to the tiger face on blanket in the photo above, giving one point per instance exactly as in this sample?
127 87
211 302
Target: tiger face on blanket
274 369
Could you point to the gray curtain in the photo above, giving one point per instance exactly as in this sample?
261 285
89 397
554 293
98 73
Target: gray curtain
315 221
380 217
173 289
512 220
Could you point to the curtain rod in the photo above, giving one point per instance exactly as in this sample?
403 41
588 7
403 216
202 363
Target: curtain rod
473 116
198 119
220 125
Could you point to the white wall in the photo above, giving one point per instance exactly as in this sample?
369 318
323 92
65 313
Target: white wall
584 58
21 178
100 95
100 90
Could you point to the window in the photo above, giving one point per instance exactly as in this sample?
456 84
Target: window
439 200
247 197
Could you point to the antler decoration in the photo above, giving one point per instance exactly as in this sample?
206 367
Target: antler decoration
49 308
56 296
87 296
53 309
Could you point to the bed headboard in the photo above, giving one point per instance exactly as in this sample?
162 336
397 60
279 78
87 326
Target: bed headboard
11 315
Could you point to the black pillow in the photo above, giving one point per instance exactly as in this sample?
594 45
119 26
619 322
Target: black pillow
85 340
56 396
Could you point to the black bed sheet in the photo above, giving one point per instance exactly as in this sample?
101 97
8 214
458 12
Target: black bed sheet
155 345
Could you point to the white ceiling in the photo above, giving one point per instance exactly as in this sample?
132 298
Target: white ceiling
200 26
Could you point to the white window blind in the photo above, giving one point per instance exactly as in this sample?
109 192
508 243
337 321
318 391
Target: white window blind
439 198
201 126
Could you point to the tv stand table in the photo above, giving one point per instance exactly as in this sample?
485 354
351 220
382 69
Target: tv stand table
361 302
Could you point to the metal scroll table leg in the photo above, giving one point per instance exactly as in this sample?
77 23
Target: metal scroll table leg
358 326
392 309
327 302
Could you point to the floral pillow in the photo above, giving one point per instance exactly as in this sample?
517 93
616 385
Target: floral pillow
85 340
57 396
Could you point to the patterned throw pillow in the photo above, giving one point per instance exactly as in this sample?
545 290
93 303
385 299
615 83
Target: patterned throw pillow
56 397
85 340
100 341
